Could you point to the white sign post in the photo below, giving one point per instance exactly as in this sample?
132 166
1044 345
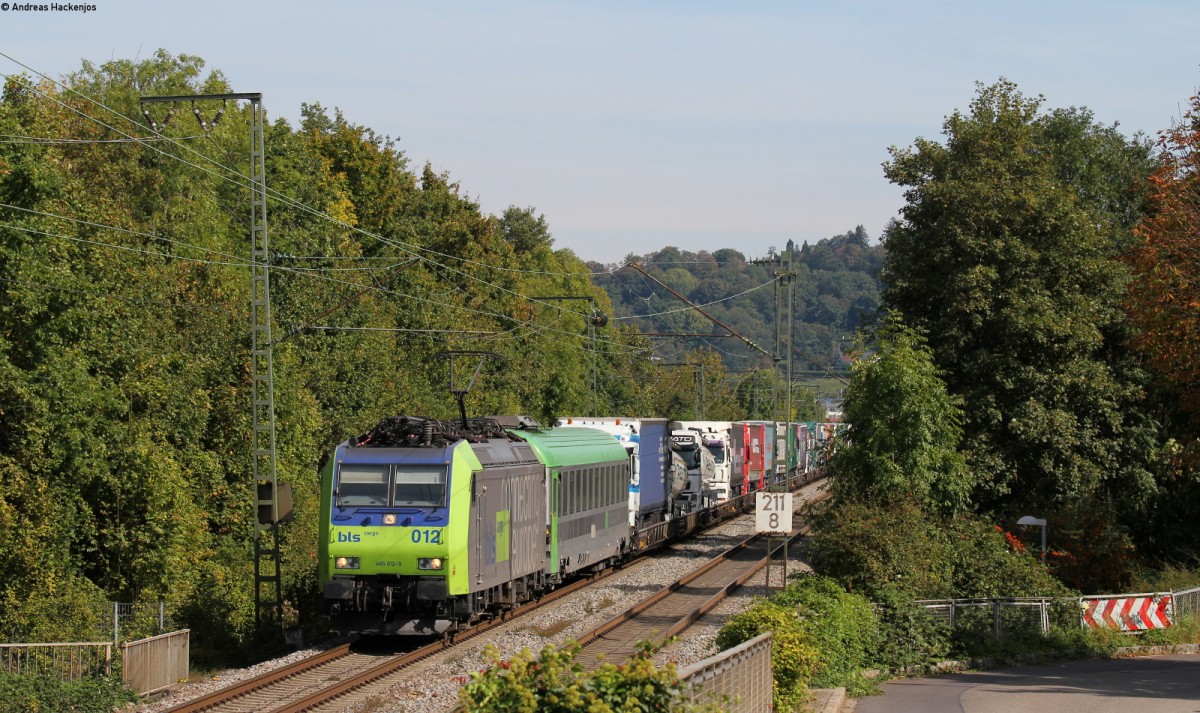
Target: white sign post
773 516
773 513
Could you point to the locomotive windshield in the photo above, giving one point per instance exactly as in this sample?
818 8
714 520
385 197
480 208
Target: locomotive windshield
420 485
382 485
363 485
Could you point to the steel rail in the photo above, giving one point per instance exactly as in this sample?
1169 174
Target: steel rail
402 661
264 680
600 637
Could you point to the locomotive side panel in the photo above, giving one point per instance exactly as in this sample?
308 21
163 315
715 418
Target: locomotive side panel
507 538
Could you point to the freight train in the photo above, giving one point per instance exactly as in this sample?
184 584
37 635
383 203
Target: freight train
429 526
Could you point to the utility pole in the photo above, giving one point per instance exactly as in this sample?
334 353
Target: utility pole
595 318
785 313
268 581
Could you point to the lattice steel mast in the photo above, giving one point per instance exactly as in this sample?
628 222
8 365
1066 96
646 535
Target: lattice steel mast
268 581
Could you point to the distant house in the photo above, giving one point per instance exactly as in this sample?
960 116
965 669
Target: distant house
833 409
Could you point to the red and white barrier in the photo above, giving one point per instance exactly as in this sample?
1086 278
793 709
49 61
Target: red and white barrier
1131 613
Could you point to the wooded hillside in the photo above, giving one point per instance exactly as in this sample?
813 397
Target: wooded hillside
837 288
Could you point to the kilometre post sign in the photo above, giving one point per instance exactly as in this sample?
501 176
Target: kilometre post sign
773 514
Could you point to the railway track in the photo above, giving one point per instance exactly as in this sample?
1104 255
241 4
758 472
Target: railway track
335 679
676 607
305 684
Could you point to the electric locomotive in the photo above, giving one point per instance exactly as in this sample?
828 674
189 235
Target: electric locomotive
429 526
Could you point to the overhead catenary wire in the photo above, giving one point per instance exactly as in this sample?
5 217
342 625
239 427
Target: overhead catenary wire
245 181
241 260
127 248
237 178
109 296
235 260
624 349
241 180
279 196
691 307
50 141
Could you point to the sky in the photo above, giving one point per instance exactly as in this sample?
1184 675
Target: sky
632 126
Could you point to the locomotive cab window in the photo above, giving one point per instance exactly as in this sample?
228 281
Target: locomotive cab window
363 485
420 486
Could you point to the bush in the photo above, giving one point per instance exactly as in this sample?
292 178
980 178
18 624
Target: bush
909 635
42 694
794 659
898 548
988 562
872 548
842 627
554 682
1170 577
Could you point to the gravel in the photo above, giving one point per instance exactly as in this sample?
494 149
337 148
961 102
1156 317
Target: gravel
432 686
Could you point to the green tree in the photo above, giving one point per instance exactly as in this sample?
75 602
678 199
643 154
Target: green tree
1004 257
124 340
904 427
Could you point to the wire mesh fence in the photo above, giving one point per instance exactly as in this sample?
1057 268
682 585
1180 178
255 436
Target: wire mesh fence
1001 617
125 621
105 624
1187 602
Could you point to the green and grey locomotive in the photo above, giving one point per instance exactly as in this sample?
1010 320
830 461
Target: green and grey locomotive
429 526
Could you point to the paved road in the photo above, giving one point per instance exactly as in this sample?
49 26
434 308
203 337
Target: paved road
1153 684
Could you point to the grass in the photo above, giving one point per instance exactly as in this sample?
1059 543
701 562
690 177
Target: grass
592 607
1169 578
547 631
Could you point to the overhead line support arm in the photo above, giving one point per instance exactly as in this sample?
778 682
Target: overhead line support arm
699 309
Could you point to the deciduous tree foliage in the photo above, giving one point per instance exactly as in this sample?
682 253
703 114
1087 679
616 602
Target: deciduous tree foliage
1163 300
124 336
837 285
1004 256
1164 296
904 428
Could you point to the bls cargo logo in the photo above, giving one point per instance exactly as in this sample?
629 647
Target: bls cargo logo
348 537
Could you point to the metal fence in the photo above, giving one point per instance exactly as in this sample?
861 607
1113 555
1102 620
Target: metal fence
1186 602
150 665
1007 616
1004 616
124 621
66 661
737 680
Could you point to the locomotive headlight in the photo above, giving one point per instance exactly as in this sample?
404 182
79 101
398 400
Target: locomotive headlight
389 519
429 563
345 563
